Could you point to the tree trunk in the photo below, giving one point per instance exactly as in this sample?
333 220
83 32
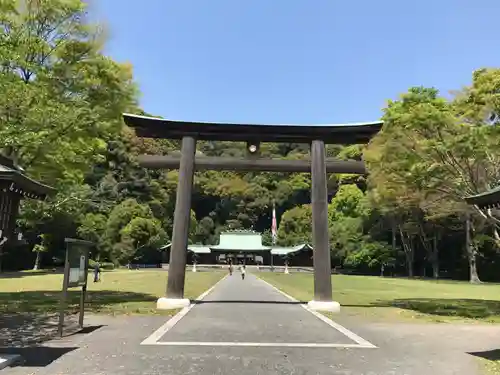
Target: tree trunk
435 258
1 256
409 261
37 261
471 253
394 236
474 277
408 249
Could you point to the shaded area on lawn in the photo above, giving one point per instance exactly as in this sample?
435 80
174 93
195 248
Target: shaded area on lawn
37 356
453 307
400 299
20 274
47 301
27 318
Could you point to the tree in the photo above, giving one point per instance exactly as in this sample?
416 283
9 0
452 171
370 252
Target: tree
441 150
39 249
122 235
61 103
139 233
295 226
372 254
61 98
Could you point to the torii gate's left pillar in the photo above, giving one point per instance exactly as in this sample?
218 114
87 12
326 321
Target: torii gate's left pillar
178 251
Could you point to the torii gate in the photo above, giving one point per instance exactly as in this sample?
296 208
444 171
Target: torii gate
253 134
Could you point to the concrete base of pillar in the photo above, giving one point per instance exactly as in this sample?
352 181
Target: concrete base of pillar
172 303
10 360
330 306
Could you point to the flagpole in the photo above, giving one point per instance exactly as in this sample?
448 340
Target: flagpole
273 236
274 225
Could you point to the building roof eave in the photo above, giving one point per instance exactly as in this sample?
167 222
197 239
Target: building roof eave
290 250
249 250
25 184
487 199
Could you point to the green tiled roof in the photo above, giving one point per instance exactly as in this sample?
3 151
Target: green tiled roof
488 199
242 240
289 250
198 249
245 241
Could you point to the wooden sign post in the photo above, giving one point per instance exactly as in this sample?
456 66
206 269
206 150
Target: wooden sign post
76 268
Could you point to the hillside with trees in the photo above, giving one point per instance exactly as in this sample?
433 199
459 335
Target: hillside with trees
60 115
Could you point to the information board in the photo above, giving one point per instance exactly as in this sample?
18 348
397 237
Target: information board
78 263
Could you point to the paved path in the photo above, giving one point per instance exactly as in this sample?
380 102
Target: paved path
251 312
265 316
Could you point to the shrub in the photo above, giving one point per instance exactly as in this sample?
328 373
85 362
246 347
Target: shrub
104 265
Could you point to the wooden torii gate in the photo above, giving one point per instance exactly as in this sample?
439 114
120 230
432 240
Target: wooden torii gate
253 134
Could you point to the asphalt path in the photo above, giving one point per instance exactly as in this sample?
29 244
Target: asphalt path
248 327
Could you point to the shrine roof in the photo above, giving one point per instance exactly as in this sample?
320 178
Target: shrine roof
350 133
19 183
289 250
234 245
487 199
240 240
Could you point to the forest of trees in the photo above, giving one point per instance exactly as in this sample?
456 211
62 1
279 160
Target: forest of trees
60 112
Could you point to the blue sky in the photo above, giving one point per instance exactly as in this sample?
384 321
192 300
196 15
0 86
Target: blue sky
295 61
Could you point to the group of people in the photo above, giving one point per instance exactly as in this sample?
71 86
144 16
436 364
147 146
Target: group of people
242 269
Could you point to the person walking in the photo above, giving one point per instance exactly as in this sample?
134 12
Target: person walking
230 269
243 271
97 273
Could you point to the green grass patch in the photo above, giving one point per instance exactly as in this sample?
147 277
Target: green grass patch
489 361
119 292
490 367
377 298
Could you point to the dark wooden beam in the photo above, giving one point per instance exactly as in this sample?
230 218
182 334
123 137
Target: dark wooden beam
182 215
319 202
151 127
250 164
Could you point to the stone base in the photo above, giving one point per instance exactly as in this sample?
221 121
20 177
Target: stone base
172 303
9 360
330 306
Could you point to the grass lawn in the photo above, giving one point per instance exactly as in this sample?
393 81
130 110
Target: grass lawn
119 292
390 299
491 367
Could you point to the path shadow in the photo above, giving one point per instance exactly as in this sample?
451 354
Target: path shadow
464 308
19 274
199 302
491 355
37 356
28 318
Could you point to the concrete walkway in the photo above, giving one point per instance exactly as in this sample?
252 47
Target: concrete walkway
247 327
251 312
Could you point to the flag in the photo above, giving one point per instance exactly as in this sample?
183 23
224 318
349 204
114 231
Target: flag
274 227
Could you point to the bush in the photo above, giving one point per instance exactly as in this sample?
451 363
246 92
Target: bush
104 265
107 266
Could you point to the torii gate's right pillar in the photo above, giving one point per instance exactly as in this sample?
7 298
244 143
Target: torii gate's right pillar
321 253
